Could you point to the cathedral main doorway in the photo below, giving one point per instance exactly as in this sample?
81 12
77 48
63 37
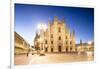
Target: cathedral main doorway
51 49
66 49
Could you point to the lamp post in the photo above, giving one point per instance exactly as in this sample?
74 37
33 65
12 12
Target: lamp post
42 28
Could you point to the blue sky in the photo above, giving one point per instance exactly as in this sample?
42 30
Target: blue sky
28 16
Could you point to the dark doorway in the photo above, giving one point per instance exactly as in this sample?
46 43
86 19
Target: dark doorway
71 49
46 49
51 49
59 48
66 49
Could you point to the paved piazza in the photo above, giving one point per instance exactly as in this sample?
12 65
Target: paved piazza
50 58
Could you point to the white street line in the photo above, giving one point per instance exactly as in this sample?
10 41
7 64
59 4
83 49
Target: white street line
33 59
30 62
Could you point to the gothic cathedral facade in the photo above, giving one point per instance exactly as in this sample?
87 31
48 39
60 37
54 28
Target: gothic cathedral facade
58 37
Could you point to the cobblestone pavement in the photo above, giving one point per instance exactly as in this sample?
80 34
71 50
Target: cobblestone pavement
50 58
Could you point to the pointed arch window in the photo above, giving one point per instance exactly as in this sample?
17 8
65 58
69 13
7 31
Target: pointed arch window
70 42
51 42
66 37
66 42
45 41
59 37
51 35
59 29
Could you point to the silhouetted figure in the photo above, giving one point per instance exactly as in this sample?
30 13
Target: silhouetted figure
28 52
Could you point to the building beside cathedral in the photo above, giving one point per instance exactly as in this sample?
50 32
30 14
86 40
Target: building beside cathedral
89 46
57 37
21 46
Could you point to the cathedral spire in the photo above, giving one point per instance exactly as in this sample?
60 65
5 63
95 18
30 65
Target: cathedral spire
55 18
68 27
63 20
73 32
49 21
80 41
